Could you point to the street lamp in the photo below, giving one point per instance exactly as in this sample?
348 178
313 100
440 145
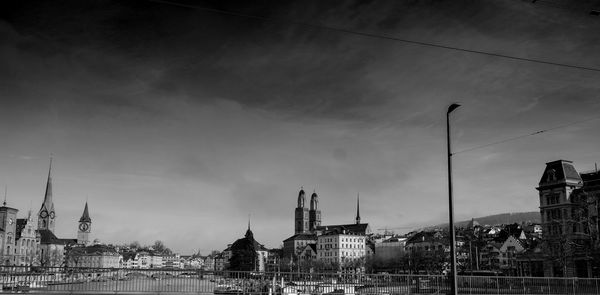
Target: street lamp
453 285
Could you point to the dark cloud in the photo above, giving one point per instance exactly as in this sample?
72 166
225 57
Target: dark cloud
202 112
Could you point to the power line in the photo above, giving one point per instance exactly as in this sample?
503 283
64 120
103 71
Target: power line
378 36
525 135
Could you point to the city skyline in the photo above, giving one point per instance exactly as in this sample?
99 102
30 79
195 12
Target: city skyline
175 123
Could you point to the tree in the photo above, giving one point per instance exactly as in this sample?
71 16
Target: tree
160 247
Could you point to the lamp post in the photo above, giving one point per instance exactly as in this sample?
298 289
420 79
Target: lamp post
453 284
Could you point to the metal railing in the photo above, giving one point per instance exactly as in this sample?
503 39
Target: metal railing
162 281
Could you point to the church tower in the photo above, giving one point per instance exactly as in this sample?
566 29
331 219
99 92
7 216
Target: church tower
85 227
301 214
314 214
46 215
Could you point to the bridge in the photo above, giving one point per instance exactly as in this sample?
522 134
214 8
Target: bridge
192 281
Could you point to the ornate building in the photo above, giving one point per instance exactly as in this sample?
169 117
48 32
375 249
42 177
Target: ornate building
569 203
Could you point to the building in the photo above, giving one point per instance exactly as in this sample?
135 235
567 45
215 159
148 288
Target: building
569 204
293 245
8 234
95 256
248 254
341 248
27 241
309 253
172 261
390 248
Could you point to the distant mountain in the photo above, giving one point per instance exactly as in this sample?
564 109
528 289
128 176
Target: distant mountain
504 218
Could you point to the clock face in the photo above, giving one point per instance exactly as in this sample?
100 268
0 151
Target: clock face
44 214
51 214
84 226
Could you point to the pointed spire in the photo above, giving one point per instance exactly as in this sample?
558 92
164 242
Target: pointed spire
5 190
48 195
357 208
249 233
85 217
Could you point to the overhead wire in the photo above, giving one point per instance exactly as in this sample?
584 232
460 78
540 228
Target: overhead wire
408 41
378 36
525 135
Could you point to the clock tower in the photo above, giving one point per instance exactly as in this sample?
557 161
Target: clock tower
46 215
85 227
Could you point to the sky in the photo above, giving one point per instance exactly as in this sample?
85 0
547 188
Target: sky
180 123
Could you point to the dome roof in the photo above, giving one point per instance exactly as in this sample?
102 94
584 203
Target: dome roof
301 198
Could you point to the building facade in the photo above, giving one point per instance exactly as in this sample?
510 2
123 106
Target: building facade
95 256
27 241
8 234
341 247
569 203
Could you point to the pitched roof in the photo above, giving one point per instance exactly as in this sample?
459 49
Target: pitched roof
360 228
302 236
591 180
21 223
48 237
426 236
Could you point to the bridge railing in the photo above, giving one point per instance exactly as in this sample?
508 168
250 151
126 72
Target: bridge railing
115 281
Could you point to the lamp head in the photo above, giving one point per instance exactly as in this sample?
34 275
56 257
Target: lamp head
452 107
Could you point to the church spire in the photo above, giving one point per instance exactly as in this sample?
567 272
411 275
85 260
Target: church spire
48 195
357 208
85 217
249 233
46 214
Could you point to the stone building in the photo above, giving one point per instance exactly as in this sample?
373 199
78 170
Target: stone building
95 256
8 234
341 246
569 203
27 241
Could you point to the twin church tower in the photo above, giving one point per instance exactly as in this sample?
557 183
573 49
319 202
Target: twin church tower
307 220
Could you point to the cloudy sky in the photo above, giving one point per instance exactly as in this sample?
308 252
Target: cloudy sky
176 123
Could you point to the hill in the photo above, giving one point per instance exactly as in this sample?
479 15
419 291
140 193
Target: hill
504 218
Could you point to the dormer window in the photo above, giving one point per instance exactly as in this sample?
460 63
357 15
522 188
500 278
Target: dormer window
551 175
